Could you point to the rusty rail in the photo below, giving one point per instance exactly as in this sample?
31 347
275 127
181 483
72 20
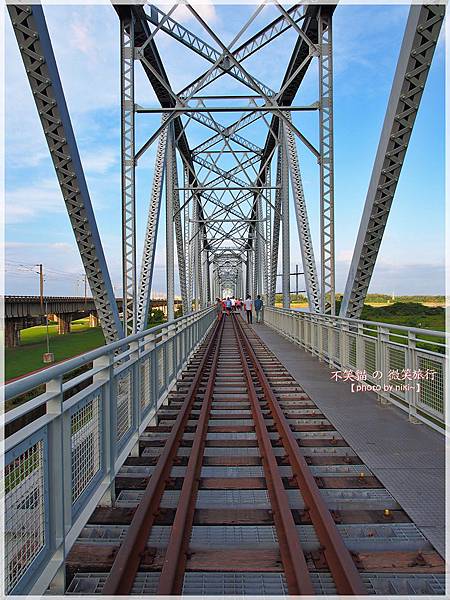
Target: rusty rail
296 570
171 579
126 563
343 569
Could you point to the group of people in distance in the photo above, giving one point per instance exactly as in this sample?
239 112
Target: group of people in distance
229 305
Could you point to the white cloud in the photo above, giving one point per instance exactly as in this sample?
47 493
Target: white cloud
99 161
82 37
27 202
60 246
182 14
345 256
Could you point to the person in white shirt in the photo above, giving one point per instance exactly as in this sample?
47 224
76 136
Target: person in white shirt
248 305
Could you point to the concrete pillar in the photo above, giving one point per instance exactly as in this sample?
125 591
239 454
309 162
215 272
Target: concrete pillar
93 320
12 333
64 321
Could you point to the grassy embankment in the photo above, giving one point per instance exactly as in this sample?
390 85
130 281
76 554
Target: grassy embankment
28 356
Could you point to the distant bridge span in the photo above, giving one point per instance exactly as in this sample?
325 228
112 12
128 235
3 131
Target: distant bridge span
27 311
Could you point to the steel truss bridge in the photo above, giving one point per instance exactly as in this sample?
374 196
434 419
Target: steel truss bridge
226 166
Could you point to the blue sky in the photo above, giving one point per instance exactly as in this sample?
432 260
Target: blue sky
85 38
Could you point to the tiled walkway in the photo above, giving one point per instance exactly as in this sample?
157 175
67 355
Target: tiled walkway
408 459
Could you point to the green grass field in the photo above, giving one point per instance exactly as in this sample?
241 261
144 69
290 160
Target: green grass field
410 314
28 356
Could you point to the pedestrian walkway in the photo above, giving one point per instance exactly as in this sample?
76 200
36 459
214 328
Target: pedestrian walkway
408 459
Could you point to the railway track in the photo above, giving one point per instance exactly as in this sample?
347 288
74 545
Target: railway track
244 487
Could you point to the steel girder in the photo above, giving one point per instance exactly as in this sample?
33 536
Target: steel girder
148 255
197 250
306 247
255 256
31 32
221 130
326 132
419 42
300 56
128 174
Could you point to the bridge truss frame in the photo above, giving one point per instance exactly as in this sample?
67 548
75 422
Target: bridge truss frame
210 255
138 371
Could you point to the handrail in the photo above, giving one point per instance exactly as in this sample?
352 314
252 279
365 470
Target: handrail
432 332
404 366
66 459
29 382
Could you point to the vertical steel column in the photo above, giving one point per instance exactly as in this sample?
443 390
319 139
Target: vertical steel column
170 267
187 234
254 261
248 273
255 265
204 256
273 265
268 227
208 278
196 247
327 274
306 247
148 255
285 248
128 174
179 232
201 228
260 245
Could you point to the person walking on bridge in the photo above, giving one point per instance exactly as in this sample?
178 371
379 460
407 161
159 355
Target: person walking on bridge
259 309
219 308
248 305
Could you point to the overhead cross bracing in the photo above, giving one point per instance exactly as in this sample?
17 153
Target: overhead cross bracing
222 132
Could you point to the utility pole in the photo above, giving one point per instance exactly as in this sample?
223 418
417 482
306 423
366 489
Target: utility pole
48 356
85 289
41 286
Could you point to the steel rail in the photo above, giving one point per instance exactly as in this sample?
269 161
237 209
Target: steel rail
172 573
345 574
127 560
293 558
